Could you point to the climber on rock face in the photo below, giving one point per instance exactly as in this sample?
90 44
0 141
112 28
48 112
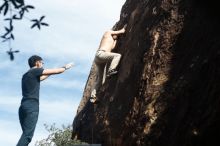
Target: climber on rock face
29 108
105 55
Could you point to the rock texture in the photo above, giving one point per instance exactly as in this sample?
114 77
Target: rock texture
167 91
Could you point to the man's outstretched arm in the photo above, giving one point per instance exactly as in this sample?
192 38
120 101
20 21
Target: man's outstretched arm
43 77
47 72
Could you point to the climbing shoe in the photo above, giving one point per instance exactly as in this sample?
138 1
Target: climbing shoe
111 73
93 99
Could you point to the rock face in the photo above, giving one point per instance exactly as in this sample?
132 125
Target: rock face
167 91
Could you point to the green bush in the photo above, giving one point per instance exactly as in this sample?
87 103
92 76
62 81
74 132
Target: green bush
58 137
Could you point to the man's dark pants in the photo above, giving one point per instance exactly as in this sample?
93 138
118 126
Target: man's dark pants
28 116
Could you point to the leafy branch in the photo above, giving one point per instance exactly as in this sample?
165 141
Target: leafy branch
15 10
39 23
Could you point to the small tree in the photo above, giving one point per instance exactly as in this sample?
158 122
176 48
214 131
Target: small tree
58 137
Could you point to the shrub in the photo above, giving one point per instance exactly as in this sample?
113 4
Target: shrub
58 137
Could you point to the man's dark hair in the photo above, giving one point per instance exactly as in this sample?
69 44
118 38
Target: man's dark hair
33 59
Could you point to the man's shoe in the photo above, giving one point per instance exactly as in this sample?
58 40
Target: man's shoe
111 73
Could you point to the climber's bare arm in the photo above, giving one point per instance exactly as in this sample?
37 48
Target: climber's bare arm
118 31
114 44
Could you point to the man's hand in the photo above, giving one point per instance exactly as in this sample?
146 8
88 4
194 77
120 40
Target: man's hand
117 32
69 65
123 30
124 27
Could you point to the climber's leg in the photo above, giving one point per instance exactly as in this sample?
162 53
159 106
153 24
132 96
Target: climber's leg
113 58
99 80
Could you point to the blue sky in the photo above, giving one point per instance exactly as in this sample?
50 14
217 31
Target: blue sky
76 27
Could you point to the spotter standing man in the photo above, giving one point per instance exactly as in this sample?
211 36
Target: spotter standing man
29 108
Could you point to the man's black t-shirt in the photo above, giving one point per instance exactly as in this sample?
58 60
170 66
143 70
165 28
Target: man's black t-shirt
31 84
